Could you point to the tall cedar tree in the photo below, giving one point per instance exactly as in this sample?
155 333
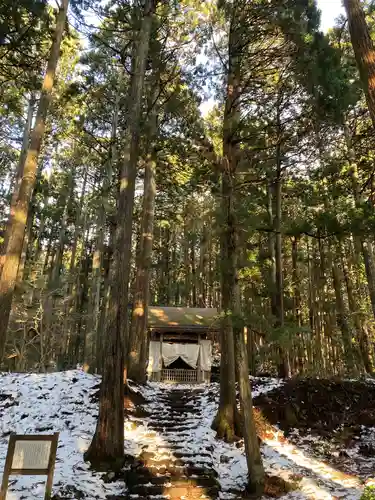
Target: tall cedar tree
16 230
364 51
108 441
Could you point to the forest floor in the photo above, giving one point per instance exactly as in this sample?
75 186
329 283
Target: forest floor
318 436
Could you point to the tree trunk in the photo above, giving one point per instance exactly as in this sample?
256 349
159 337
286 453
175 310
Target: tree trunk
138 333
67 329
225 422
79 349
25 245
18 176
271 250
361 245
284 365
108 441
364 51
252 451
355 313
342 317
193 270
100 338
166 237
99 309
138 337
16 231
187 268
297 304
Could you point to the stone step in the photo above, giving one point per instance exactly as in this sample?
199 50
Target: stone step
180 421
180 405
176 491
181 448
175 481
176 423
179 409
172 427
188 460
175 436
171 471
132 496
172 415
153 462
188 454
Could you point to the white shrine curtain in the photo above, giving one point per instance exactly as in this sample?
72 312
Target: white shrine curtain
154 357
188 352
169 353
205 359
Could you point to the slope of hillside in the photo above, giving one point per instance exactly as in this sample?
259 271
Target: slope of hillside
64 402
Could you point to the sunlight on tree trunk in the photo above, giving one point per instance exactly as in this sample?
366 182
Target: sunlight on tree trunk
17 229
364 51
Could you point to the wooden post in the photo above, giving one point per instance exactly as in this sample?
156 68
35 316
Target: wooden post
8 467
31 471
200 377
161 357
51 467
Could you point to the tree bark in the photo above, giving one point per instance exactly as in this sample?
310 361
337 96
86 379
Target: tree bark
18 176
138 337
297 304
138 333
67 329
193 267
16 231
203 266
284 364
252 451
354 308
364 51
99 307
25 245
342 316
226 419
187 268
361 245
108 441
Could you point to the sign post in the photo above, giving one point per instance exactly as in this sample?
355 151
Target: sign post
30 455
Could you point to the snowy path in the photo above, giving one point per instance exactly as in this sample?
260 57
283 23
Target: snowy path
176 460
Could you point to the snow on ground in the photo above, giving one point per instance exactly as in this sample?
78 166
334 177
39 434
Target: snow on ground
56 402
316 480
61 402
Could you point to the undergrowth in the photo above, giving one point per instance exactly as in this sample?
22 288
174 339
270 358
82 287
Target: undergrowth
369 493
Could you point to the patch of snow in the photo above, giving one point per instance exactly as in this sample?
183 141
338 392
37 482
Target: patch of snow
48 403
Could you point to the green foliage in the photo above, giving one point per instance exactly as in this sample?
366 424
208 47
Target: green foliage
318 63
369 493
296 87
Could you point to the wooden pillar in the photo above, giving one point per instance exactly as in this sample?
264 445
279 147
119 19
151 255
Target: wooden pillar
200 377
161 357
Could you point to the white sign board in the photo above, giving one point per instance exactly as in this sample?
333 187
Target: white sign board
30 455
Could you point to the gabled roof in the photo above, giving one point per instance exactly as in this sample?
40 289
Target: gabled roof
182 318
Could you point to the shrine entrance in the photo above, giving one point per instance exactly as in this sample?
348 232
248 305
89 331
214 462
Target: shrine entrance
181 344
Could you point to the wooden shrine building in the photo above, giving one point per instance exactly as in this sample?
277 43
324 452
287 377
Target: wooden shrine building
181 344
